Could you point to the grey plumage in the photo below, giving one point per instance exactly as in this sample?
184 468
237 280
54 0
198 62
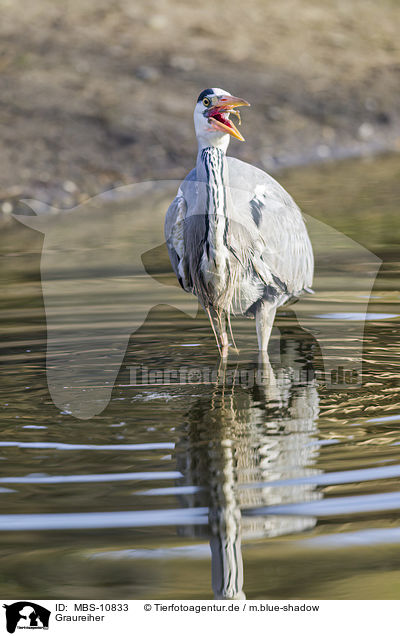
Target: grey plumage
237 240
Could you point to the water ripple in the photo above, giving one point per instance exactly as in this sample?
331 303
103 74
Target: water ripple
360 538
327 479
67 479
123 519
333 506
97 447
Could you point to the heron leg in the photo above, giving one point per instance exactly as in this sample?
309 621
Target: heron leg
223 336
217 321
228 316
213 328
268 381
265 316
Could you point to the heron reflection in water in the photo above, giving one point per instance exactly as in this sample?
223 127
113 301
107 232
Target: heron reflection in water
235 447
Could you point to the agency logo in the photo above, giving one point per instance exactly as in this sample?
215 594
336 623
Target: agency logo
26 615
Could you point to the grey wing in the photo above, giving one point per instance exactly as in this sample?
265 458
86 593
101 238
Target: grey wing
174 236
280 245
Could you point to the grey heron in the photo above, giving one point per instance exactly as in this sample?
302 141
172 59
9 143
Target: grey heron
235 237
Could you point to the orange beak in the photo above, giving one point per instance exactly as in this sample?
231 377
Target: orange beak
218 114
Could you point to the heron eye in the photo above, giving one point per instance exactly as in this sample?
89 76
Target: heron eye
206 102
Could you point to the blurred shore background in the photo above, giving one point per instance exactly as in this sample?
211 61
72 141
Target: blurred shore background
96 94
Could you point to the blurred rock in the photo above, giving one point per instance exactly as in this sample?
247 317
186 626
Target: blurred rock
7 207
275 113
158 22
371 104
182 63
365 131
383 118
70 186
323 151
147 73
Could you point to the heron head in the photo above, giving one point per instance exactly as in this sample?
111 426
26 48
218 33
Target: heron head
212 114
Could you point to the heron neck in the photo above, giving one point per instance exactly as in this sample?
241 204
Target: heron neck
212 169
212 181
210 155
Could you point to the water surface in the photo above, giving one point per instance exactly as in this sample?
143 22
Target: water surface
222 485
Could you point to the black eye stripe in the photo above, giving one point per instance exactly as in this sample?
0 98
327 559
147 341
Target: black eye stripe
205 93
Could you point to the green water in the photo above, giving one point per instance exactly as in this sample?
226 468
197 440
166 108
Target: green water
285 487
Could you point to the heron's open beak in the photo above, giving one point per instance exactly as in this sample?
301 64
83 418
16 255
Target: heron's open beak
218 114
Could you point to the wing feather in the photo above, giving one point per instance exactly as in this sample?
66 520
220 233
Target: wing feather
174 236
282 250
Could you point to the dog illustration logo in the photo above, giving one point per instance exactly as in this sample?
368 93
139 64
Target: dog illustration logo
26 615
